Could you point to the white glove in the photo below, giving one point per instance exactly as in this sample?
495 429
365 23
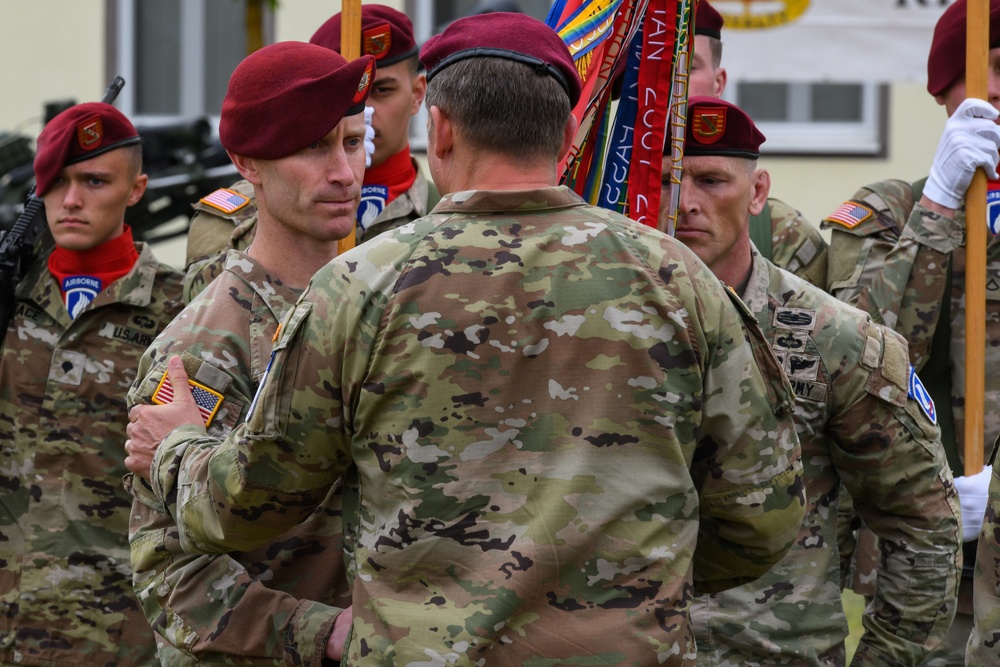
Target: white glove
971 139
973 492
369 136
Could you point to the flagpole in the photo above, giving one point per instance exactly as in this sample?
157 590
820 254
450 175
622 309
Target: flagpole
976 60
350 48
677 119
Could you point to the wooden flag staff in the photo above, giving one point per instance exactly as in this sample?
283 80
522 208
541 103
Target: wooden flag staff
350 48
977 49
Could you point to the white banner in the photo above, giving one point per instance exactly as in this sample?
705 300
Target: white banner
828 40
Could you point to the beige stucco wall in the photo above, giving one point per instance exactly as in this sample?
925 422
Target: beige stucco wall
46 59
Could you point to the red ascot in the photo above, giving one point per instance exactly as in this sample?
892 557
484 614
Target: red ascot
504 35
717 127
288 95
386 34
79 133
708 21
946 62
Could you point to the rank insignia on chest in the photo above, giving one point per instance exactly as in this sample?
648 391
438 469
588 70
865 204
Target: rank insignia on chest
918 393
207 399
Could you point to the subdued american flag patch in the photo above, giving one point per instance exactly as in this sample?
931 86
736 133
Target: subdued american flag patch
208 400
850 214
226 200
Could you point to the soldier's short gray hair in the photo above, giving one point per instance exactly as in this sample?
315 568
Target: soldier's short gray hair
502 106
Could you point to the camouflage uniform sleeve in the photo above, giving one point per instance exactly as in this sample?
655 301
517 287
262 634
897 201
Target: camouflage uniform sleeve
752 496
797 245
892 263
215 229
984 642
279 464
209 607
890 459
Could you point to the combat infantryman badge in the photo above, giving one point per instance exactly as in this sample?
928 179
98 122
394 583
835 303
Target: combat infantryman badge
709 124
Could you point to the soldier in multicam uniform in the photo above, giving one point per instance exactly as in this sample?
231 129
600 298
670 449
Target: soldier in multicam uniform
272 605
898 251
394 192
984 643
85 312
856 426
781 233
549 405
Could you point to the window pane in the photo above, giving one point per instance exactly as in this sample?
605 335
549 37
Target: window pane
225 47
158 67
447 11
763 101
835 103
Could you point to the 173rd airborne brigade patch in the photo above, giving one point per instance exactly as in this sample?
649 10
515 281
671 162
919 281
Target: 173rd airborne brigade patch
918 393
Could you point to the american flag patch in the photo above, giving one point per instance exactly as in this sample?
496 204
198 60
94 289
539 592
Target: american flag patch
850 214
208 400
226 200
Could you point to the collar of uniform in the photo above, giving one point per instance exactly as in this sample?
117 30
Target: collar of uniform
278 297
507 201
755 295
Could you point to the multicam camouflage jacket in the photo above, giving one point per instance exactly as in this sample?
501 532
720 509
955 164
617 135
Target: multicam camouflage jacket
65 584
215 229
856 425
890 256
796 245
984 643
268 606
549 407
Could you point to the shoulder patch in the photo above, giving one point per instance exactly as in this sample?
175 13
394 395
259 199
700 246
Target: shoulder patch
225 200
207 399
918 393
850 214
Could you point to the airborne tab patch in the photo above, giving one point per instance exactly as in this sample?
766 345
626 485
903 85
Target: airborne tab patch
208 400
226 200
850 214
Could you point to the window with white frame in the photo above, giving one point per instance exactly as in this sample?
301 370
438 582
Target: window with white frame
176 56
816 118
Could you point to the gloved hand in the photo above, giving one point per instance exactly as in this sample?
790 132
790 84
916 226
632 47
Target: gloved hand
971 139
973 492
369 136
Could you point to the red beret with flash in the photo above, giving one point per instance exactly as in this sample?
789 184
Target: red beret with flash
288 95
946 62
717 127
506 35
386 34
707 21
79 133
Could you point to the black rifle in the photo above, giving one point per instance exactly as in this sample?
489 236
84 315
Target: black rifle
17 248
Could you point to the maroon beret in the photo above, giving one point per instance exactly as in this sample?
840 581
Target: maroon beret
707 21
946 62
386 34
288 95
79 133
507 35
717 127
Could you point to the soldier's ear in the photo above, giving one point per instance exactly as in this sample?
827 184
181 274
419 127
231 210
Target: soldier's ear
247 167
